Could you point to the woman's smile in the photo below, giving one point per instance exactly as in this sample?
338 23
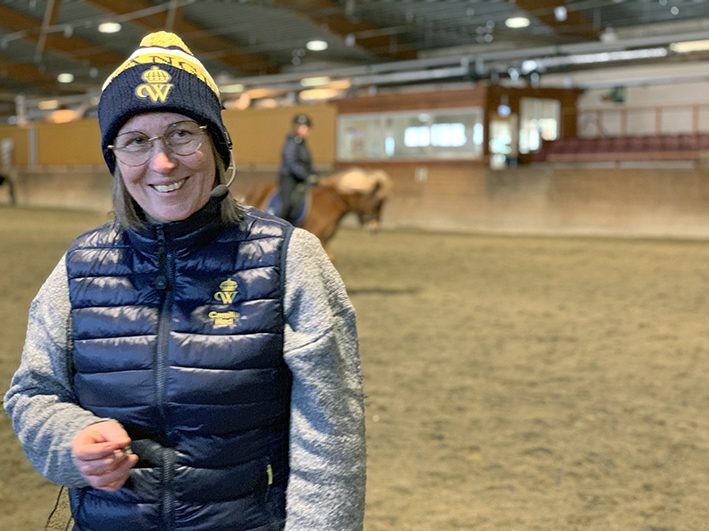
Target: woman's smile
171 187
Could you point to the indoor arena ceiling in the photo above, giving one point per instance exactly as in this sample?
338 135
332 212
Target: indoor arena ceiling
262 45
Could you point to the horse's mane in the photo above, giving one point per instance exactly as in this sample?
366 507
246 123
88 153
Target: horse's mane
359 180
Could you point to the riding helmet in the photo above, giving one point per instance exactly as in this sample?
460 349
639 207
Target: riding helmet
302 119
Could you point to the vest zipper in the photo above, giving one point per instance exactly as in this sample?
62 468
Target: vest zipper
164 285
168 501
161 284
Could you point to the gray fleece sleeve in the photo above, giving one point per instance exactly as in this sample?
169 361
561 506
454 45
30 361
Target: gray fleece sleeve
40 402
327 445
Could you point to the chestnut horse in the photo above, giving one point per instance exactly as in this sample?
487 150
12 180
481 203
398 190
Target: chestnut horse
362 192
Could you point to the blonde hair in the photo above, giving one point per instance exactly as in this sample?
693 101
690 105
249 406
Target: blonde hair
128 214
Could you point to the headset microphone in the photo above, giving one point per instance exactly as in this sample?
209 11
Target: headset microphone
220 191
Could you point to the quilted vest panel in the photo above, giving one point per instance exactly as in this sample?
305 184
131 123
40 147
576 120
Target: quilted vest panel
178 335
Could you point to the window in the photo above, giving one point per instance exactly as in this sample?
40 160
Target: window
539 120
448 134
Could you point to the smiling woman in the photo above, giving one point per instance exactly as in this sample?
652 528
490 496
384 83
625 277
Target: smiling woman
193 363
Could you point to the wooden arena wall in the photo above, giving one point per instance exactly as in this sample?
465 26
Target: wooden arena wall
553 200
61 165
257 135
540 199
543 199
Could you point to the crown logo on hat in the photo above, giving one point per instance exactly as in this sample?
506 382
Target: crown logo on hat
156 86
156 75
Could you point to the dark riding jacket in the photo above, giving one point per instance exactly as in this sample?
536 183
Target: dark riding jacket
294 175
296 162
178 335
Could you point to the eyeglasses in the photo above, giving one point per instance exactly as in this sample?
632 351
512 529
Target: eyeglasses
181 138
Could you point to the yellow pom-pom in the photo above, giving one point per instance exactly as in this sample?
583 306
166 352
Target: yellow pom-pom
164 39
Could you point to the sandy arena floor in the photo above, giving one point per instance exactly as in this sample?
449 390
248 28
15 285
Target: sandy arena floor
513 383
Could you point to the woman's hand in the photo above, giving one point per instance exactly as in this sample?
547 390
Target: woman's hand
100 457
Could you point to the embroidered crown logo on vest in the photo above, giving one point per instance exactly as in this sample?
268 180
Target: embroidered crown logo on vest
156 86
226 294
227 291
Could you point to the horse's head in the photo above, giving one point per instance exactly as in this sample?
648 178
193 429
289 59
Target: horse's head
365 192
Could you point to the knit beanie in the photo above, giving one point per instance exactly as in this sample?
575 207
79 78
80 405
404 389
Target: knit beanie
161 75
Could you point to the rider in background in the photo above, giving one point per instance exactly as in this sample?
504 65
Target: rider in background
296 171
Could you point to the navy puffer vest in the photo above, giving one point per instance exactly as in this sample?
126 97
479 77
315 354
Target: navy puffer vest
178 335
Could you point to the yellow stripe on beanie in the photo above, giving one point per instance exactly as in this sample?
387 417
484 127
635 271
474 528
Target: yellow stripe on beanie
165 48
164 39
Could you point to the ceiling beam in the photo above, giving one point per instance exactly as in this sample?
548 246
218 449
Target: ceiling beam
576 23
50 18
172 15
199 39
33 75
72 47
329 14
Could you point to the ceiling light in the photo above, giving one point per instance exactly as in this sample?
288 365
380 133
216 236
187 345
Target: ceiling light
48 105
319 94
529 65
109 27
234 88
62 116
263 92
560 13
608 35
65 77
690 46
314 81
517 22
340 84
316 46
